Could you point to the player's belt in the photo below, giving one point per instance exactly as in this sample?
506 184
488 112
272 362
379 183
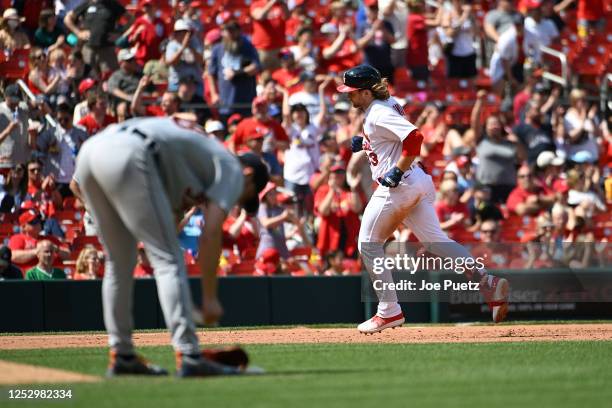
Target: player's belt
413 167
150 143
409 171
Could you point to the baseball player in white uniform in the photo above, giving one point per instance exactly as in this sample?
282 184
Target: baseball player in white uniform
137 179
405 194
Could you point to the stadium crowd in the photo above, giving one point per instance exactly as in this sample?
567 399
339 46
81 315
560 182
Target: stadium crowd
519 149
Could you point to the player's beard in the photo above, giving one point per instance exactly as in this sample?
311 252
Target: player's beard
356 102
357 105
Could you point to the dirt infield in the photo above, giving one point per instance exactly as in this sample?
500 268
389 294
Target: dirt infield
409 334
13 373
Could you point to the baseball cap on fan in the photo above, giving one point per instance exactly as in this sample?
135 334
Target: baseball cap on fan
533 4
29 216
329 28
548 158
181 25
261 177
12 14
12 91
126 54
359 77
86 84
213 126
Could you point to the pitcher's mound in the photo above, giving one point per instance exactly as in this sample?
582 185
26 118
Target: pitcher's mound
14 373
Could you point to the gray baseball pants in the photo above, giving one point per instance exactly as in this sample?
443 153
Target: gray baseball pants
120 182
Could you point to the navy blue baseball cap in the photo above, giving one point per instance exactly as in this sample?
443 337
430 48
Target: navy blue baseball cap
359 77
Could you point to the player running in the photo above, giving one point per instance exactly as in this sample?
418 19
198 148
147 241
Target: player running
405 194
137 179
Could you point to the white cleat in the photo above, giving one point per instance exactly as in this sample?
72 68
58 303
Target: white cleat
495 290
377 324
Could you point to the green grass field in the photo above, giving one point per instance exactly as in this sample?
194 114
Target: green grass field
527 374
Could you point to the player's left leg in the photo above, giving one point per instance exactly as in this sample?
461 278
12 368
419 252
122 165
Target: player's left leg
423 222
118 282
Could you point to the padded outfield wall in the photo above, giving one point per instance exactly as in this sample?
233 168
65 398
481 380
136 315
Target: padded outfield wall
256 301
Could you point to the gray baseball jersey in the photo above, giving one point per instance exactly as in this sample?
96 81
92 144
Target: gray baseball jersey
189 161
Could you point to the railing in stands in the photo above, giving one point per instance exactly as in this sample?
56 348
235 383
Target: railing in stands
24 87
563 80
603 92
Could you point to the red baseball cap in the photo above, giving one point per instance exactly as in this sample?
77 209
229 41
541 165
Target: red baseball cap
370 3
143 3
86 85
259 100
462 161
337 167
269 187
29 216
224 17
235 118
212 36
532 4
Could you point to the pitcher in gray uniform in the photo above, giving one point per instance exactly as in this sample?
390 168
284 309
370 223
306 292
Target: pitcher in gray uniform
137 179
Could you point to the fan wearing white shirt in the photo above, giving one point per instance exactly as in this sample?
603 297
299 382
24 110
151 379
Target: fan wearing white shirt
59 147
302 156
511 50
542 28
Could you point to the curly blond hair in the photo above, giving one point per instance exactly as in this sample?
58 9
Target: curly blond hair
380 91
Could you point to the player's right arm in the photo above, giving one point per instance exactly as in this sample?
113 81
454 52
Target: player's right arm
210 252
76 190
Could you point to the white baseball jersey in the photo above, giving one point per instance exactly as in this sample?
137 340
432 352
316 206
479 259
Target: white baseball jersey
384 130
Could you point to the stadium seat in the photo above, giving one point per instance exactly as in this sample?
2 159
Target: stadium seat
8 229
243 268
15 65
69 216
602 232
68 269
69 203
193 269
81 241
302 252
189 258
72 231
